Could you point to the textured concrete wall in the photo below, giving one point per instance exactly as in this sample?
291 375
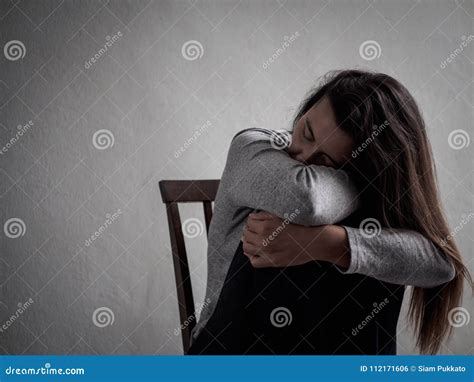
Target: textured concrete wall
100 100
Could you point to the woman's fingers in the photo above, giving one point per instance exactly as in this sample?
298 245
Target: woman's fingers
261 226
253 226
250 249
251 237
258 258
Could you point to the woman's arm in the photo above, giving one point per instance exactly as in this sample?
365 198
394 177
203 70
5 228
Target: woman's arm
396 256
259 174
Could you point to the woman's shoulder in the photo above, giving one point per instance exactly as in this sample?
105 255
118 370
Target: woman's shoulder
279 138
252 132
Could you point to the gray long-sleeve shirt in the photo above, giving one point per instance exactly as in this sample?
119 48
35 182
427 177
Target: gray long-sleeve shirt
260 174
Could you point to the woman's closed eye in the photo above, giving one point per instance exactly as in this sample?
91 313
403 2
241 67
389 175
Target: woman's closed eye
308 134
319 157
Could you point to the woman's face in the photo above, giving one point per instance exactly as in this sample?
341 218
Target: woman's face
318 140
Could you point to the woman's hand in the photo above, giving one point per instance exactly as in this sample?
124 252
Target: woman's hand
269 241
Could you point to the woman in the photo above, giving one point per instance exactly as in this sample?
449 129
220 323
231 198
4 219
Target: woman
323 278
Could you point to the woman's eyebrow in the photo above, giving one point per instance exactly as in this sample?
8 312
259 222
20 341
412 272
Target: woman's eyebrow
314 137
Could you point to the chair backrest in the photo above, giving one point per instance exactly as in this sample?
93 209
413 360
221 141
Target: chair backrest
172 193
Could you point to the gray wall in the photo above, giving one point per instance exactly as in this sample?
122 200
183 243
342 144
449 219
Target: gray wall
63 176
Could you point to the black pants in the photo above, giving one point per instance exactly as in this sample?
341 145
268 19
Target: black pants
305 309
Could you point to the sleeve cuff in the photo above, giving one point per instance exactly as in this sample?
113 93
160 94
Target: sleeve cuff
354 254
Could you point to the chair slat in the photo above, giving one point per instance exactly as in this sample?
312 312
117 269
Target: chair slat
172 193
207 214
181 270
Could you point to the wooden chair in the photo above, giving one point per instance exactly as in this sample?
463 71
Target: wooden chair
172 193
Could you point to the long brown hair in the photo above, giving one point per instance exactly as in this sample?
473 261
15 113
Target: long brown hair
396 175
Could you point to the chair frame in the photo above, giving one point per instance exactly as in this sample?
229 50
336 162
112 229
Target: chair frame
174 192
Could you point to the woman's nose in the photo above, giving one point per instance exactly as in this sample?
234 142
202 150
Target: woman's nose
296 153
293 149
